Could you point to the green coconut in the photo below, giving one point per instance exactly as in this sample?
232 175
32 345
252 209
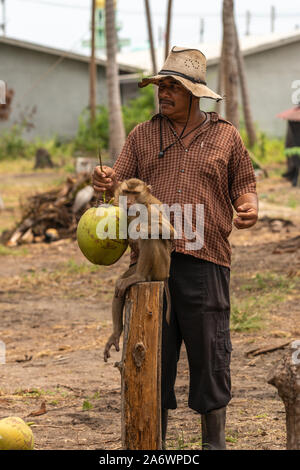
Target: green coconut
15 434
102 234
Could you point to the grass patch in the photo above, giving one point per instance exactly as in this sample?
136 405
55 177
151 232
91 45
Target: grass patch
86 405
5 251
262 290
269 281
244 317
72 267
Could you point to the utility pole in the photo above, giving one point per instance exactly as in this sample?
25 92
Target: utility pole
201 30
150 35
248 19
93 67
273 14
168 28
3 24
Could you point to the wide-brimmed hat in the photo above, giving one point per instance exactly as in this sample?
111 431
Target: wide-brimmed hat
187 66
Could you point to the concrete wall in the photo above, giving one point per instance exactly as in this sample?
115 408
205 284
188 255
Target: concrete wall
59 97
270 74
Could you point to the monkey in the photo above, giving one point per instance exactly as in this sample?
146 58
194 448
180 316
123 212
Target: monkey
154 255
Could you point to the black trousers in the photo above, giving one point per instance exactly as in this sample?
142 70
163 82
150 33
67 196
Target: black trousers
200 315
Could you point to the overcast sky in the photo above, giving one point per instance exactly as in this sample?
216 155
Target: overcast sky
65 23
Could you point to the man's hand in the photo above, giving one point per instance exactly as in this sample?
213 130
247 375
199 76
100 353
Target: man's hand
104 181
246 207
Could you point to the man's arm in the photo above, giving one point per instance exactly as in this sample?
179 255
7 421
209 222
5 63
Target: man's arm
246 207
124 168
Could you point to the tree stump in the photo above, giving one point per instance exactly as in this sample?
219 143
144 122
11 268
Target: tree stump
286 379
141 367
43 159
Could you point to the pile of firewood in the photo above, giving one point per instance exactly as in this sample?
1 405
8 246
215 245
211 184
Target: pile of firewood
53 215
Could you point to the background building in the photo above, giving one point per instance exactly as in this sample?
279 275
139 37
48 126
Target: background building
55 83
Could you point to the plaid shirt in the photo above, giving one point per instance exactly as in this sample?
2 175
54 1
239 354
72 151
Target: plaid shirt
214 170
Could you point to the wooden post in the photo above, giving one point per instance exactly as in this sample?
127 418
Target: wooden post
93 67
141 367
286 379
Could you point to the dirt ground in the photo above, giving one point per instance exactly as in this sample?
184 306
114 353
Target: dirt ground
55 319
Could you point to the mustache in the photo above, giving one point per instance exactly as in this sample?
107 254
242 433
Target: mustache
162 101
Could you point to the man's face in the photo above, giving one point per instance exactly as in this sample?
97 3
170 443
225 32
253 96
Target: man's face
173 98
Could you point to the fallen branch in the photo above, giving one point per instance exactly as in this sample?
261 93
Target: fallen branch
258 351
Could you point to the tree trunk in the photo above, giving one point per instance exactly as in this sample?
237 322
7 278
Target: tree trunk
286 379
230 64
245 93
93 67
152 51
150 36
116 126
168 28
141 367
221 78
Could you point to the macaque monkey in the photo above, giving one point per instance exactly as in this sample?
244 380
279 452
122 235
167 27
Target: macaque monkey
154 255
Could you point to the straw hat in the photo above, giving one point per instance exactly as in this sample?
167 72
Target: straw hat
187 66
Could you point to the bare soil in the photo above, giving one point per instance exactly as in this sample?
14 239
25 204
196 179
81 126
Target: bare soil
55 319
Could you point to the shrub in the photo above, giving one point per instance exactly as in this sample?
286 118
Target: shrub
90 136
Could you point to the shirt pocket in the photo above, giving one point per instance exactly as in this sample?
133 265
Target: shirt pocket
213 161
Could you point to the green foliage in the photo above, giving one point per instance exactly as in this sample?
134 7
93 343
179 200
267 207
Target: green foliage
139 109
244 316
90 136
292 151
12 144
86 405
266 150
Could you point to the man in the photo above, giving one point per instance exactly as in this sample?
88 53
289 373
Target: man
192 157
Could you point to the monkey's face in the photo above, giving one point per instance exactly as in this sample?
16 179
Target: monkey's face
135 190
173 98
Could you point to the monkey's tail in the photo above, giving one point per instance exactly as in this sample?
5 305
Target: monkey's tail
168 298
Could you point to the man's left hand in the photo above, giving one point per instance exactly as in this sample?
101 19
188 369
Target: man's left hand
246 215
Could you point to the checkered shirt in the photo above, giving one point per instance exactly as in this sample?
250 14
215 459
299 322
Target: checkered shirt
214 170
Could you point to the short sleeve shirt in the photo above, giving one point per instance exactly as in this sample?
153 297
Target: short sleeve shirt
211 173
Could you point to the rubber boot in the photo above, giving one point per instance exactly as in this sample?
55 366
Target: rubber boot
164 425
213 429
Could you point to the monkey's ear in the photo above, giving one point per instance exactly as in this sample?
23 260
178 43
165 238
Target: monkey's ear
149 187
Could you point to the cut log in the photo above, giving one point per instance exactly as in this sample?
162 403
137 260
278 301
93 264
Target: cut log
286 379
141 367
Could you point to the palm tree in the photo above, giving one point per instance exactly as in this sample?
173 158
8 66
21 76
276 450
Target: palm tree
168 28
220 89
93 67
115 121
244 92
152 51
230 64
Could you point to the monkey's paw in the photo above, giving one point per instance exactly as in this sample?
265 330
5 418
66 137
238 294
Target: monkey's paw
113 341
120 288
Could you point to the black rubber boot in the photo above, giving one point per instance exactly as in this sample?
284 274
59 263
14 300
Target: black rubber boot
164 425
213 429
